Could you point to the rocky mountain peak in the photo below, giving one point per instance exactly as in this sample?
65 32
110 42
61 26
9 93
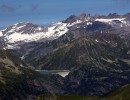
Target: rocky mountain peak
113 15
84 16
22 27
27 32
71 19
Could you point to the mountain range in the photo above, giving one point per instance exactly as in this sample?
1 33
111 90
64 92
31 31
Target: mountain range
95 49
21 33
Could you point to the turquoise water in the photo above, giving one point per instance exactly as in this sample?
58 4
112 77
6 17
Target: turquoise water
62 73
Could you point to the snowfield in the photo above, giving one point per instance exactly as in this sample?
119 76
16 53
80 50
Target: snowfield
13 36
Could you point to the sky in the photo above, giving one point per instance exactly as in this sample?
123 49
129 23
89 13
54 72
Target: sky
43 12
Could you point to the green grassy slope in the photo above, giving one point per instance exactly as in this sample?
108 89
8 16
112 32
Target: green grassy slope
122 93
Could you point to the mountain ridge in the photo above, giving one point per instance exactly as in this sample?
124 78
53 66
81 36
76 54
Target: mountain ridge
20 33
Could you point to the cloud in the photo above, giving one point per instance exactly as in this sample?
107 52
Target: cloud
7 8
34 7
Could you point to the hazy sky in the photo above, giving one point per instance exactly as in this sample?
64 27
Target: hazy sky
47 11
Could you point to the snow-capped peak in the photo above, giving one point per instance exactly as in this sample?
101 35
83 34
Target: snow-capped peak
27 32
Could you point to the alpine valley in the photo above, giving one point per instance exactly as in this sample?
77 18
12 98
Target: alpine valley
85 57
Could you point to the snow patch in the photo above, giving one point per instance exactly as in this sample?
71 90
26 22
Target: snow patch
96 40
121 21
1 34
109 20
74 23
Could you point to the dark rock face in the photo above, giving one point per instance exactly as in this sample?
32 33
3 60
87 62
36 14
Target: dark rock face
84 16
71 19
99 64
92 49
90 80
113 15
99 26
